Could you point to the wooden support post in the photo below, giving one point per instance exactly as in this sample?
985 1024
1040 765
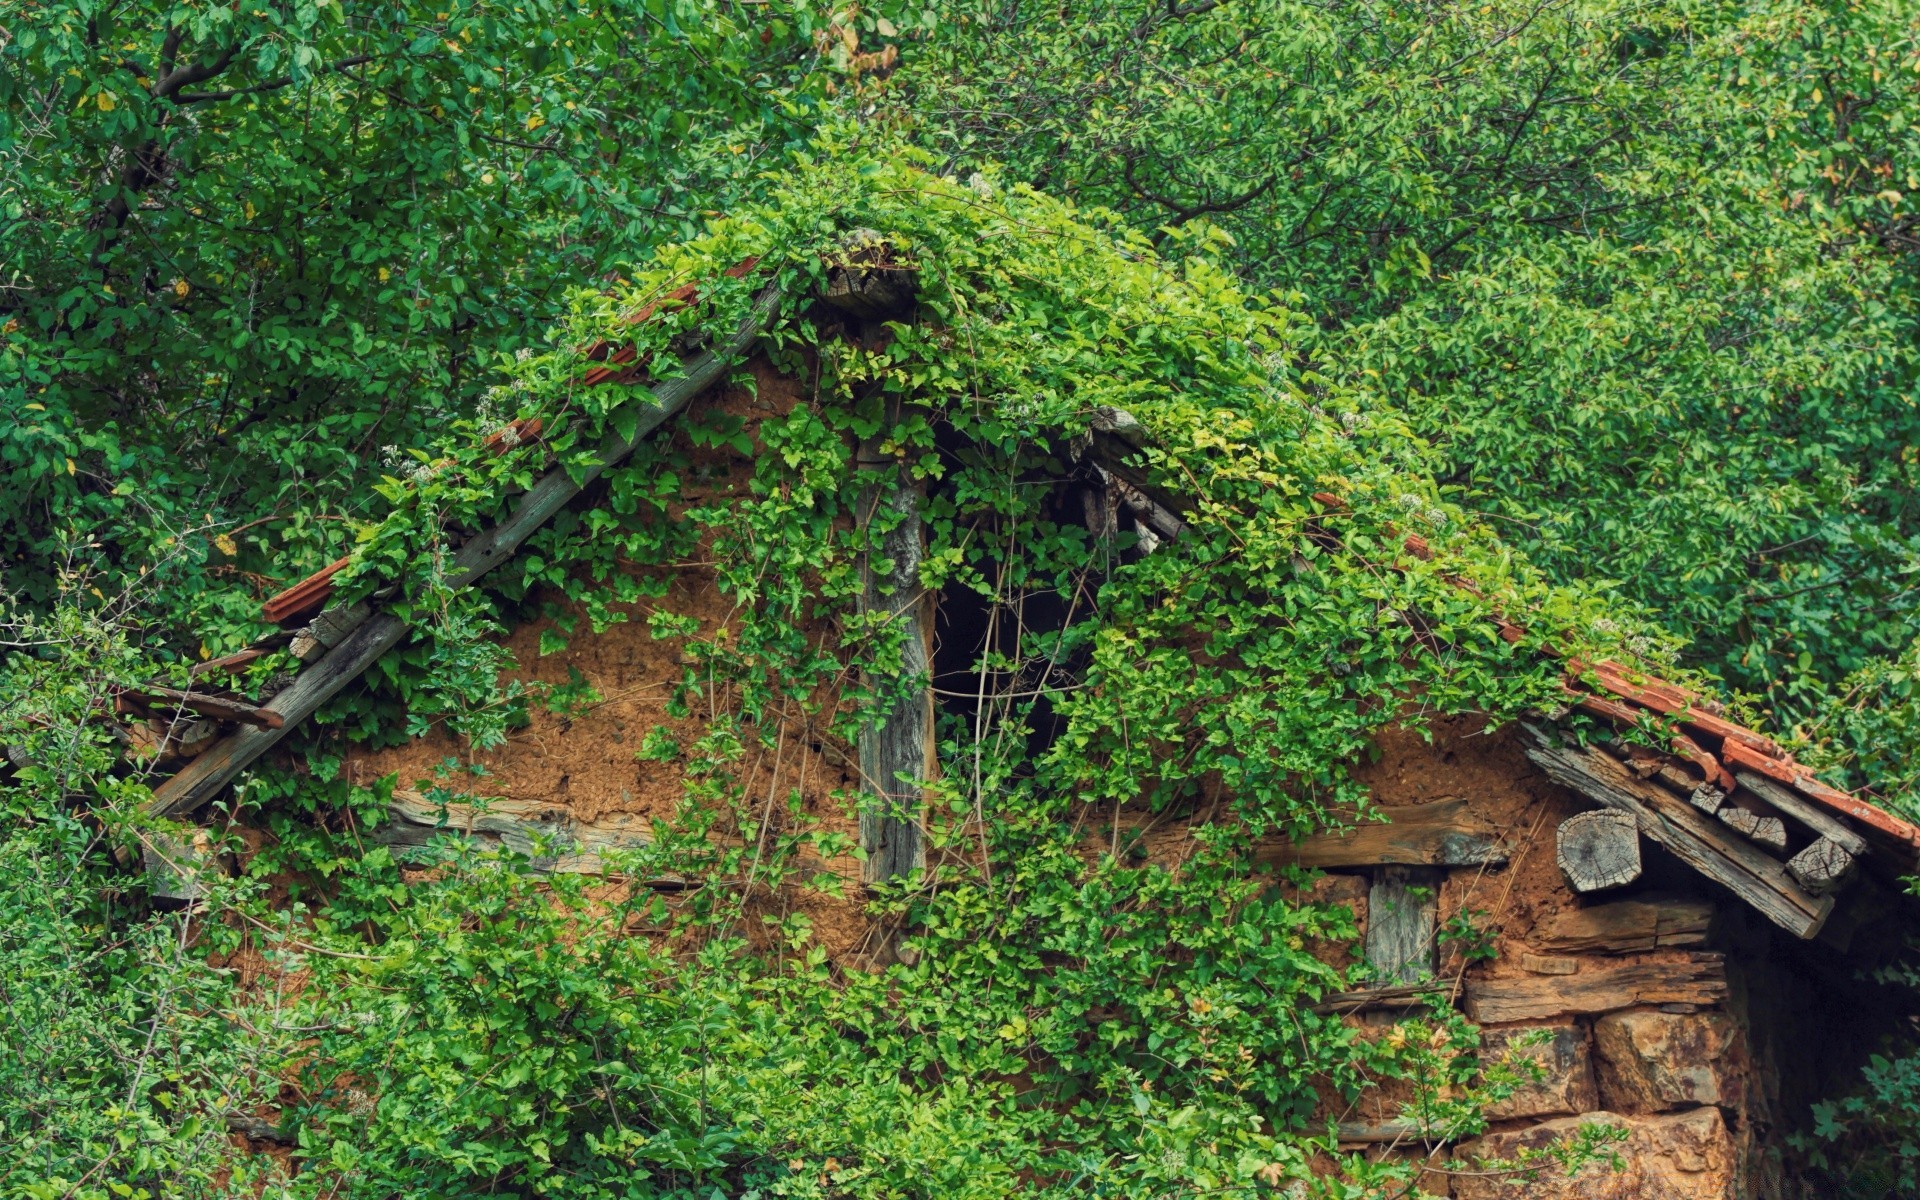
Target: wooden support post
1696 839
375 633
1402 914
1598 850
897 749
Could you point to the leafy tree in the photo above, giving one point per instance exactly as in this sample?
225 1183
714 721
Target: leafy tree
1638 272
246 247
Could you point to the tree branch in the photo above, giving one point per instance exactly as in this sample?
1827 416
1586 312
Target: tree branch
270 85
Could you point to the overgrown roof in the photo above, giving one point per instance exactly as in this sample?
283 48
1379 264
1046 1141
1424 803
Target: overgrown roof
1318 582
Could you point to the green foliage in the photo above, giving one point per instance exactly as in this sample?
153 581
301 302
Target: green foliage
1628 280
1065 1016
1636 271
247 247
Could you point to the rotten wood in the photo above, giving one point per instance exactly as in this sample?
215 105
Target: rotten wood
1599 987
1625 926
898 753
379 632
1391 1132
1598 850
1441 834
1691 836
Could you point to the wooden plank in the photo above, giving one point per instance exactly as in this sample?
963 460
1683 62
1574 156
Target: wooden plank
1403 907
1441 834
1787 802
1403 996
220 708
1599 987
1690 835
547 834
896 742
379 632
1391 1132
1598 850
1625 926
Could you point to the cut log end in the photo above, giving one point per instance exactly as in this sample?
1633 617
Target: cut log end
1823 867
1767 832
1599 850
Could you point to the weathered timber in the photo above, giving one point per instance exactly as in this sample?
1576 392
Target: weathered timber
1770 832
1403 996
230 662
1598 850
867 285
305 646
1707 798
1599 987
1548 964
1389 1132
220 708
1789 803
259 1130
332 626
379 632
1691 836
1107 450
1403 907
1875 822
896 741
1440 834
547 834
1625 926
1823 867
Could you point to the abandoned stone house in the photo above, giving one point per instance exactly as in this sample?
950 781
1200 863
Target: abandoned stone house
1675 928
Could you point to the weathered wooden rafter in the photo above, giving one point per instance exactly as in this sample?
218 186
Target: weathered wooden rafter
1696 839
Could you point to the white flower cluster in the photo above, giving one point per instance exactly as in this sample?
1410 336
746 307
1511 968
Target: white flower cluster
403 465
